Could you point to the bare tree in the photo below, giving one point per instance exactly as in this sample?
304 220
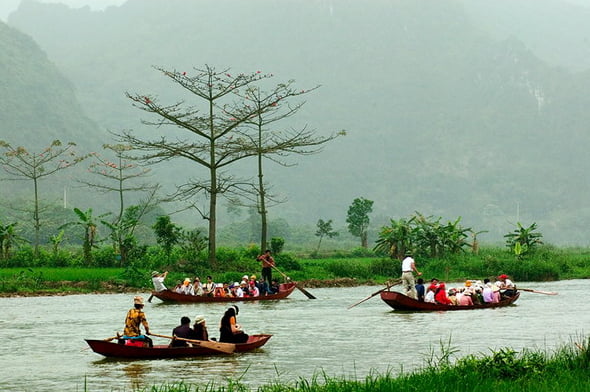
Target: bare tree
22 165
215 142
274 143
121 176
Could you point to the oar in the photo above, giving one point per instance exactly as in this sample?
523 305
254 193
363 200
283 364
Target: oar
539 291
150 298
110 339
307 293
375 293
226 348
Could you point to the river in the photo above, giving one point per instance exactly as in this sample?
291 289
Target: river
44 347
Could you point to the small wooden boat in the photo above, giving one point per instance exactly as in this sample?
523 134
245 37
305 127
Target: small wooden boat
285 289
399 301
116 350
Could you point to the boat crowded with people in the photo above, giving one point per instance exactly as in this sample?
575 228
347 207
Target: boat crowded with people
285 289
143 351
399 301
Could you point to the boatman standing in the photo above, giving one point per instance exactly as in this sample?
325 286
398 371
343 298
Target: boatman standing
268 262
408 269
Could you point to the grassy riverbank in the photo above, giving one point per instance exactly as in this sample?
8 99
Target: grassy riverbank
565 370
546 264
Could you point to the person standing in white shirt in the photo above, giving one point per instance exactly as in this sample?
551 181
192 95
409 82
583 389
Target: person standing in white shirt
408 269
158 280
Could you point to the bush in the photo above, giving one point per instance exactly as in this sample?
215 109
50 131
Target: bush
288 262
349 269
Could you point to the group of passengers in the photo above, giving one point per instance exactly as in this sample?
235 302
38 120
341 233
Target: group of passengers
230 331
471 293
247 287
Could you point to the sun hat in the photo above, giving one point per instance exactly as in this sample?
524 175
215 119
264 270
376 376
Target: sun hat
138 300
468 283
187 281
503 276
199 319
253 277
155 273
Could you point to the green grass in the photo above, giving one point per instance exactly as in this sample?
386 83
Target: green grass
546 264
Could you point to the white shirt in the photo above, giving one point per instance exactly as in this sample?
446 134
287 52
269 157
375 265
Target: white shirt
158 282
407 264
429 297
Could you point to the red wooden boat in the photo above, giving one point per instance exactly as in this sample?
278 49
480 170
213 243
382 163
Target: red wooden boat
285 289
115 350
399 301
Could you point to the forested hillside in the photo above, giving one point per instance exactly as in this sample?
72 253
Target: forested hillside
443 115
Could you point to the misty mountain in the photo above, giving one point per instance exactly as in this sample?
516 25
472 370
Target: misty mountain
38 103
447 112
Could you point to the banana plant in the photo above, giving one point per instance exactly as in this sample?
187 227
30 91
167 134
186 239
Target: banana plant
89 222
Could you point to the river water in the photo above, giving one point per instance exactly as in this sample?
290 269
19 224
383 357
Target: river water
44 348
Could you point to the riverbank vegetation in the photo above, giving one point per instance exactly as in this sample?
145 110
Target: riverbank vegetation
22 277
567 369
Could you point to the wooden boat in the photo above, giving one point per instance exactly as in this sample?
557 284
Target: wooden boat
285 289
115 350
399 301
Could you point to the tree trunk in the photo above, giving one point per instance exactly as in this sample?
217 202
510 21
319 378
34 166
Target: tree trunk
37 223
262 207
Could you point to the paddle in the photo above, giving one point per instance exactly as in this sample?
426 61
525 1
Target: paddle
307 293
150 298
226 348
539 291
111 338
376 292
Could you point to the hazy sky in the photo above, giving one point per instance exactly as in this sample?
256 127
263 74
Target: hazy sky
8 6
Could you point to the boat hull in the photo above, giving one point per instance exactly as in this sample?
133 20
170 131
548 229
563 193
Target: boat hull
399 301
285 289
115 350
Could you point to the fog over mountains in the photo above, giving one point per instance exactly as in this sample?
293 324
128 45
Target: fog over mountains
452 108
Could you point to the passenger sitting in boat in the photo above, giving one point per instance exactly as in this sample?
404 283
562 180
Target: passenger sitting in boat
420 289
179 288
198 287
182 331
237 290
487 293
199 331
507 287
226 290
230 331
453 296
274 287
245 289
158 280
431 290
441 295
253 290
465 299
219 292
187 287
209 287
495 293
